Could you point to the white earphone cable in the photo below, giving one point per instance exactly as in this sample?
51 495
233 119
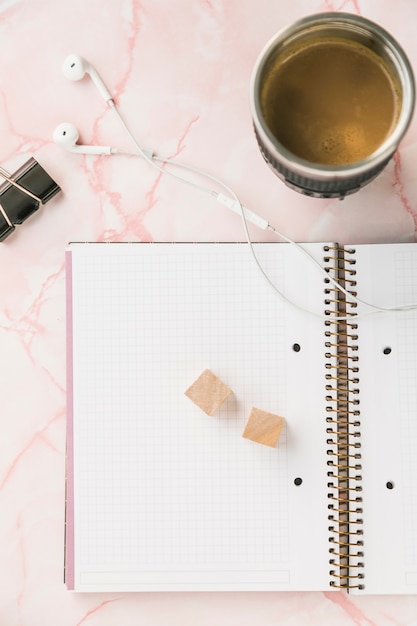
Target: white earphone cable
151 158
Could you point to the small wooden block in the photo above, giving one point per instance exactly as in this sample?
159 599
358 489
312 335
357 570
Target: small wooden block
208 392
263 427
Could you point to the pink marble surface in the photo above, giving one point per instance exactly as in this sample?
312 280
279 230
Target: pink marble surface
179 71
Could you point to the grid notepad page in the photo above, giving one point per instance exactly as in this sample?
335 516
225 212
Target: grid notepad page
387 275
166 497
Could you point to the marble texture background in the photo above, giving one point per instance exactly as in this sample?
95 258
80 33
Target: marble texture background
179 71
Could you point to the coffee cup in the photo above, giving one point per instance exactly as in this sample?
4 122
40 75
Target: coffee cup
331 97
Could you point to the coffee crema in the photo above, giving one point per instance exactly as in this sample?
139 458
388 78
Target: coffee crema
330 101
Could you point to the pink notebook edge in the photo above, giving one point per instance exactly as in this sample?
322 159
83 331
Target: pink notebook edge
69 556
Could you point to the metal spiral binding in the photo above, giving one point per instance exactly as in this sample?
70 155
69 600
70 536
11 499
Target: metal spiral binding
343 425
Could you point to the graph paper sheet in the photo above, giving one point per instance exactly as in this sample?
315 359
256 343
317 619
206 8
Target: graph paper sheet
162 496
387 276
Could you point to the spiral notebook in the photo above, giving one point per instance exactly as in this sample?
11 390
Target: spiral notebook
162 497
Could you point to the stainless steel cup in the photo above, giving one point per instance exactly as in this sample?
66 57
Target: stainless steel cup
313 179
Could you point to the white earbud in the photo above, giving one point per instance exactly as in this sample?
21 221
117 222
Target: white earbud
66 135
76 67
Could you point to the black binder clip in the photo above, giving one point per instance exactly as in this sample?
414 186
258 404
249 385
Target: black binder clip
22 193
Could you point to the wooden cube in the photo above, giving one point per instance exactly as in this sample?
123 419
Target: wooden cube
263 427
208 392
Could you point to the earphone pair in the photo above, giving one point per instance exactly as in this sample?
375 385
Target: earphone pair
66 135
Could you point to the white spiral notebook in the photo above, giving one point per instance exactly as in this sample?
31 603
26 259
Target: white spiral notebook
162 497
